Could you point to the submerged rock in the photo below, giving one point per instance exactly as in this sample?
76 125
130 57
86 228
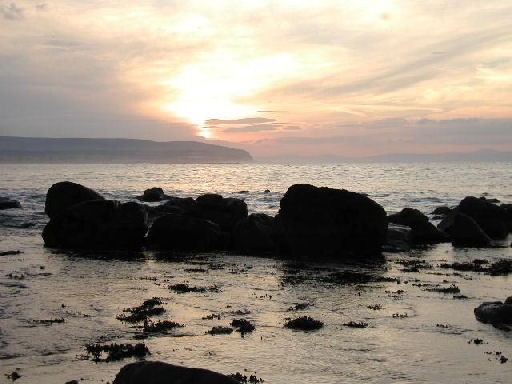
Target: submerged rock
184 233
325 222
6 203
398 238
490 217
255 235
423 232
464 231
154 372
495 313
97 224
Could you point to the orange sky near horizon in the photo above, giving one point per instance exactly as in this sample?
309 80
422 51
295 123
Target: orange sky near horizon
351 78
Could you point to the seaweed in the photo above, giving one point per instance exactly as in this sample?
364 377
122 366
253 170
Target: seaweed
116 352
304 323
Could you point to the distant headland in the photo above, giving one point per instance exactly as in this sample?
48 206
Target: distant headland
82 150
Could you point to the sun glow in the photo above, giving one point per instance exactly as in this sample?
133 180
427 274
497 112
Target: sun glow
213 87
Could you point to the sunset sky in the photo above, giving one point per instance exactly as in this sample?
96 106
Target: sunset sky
276 77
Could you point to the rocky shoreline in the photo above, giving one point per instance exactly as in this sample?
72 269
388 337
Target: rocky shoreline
313 224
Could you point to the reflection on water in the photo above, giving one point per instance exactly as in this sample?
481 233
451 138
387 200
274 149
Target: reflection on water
427 340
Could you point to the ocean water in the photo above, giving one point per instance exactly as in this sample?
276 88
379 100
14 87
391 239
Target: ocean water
429 343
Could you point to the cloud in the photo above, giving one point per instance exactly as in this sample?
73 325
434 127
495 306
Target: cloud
12 12
247 120
337 76
253 128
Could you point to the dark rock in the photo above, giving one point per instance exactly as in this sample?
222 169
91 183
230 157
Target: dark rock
495 313
423 232
225 212
186 206
491 200
490 217
153 194
97 224
184 233
154 372
398 238
464 231
255 235
324 222
65 194
13 376
6 203
442 211
304 323
508 215
9 253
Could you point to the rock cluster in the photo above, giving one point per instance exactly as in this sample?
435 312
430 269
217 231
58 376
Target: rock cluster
80 218
312 223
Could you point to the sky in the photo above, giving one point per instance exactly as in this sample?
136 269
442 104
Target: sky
278 78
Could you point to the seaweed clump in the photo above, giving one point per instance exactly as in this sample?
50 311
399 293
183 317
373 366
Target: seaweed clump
142 312
115 352
160 326
242 379
220 331
304 323
356 324
185 288
243 326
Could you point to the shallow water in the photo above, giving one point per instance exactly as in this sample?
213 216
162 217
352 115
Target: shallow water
89 291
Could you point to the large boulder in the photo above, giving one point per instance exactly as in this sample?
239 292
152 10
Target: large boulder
490 217
255 235
442 211
423 231
155 372
226 212
153 194
464 231
6 203
65 194
495 312
398 238
98 224
325 222
184 233
508 215
176 205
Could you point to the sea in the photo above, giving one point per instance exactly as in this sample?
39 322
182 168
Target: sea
408 333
